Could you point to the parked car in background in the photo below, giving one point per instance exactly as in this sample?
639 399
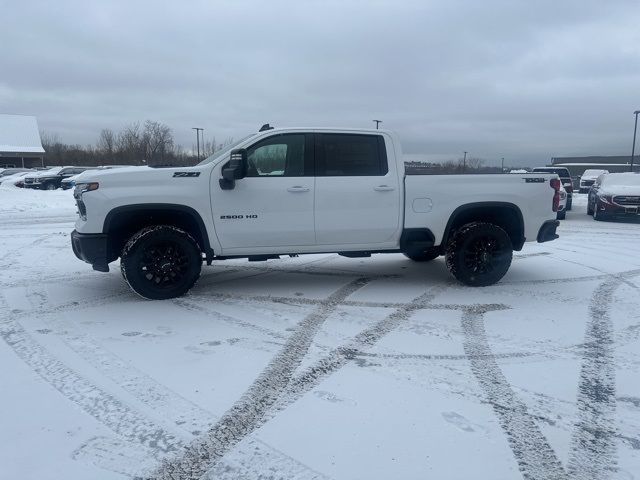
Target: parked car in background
17 179
565 178
52 178
615 195
588 178
5 172
32 180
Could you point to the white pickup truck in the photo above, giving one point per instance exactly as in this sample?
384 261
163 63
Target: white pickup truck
305 190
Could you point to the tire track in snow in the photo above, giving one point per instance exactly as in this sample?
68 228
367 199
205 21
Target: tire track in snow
593 444
95 401
22 248
593 447
247 414
338 357
535 457
188 418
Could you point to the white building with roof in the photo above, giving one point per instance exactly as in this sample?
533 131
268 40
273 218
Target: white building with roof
20 144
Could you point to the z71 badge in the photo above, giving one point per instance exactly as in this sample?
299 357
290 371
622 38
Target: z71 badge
186 174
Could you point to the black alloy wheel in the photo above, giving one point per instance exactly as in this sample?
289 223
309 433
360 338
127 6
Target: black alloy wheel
479 254
161 262
598 214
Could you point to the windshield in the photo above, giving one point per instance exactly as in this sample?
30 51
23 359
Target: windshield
593 173
224 151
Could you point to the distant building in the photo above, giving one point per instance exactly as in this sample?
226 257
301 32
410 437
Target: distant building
20 144
577 165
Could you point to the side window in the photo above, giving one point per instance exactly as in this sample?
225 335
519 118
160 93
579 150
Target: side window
277 156
340 155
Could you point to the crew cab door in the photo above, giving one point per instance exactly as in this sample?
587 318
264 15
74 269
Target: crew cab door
358 191
273 205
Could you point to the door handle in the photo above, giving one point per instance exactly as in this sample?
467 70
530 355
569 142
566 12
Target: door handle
383 188
297 189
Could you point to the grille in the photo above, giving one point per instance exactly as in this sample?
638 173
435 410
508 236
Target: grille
28 180
627 200
587 183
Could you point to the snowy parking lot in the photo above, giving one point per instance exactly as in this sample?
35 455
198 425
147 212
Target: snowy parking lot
320 367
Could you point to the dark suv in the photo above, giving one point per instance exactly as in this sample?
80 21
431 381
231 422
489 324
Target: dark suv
565 178
51 180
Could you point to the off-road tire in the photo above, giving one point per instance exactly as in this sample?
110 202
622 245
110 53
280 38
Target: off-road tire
161 262
424 256
479 254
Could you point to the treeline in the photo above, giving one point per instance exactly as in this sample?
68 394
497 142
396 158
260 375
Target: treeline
450 167
150 143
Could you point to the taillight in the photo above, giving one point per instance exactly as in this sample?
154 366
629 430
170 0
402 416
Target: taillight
555 184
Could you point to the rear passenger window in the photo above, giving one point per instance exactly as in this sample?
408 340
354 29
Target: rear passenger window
339 155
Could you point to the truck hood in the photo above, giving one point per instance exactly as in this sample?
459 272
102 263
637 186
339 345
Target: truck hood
625 190
131 176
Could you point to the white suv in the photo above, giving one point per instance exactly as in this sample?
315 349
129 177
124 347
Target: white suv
588 177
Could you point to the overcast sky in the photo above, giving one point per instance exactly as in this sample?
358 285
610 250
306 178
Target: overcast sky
526 80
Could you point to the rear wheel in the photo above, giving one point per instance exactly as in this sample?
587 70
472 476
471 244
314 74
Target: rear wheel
589 209
425 255
569 203
561 215
161 262
479 254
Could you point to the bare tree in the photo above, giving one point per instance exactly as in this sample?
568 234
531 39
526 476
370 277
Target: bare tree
158 142
106 142
475 163
49 140
129 144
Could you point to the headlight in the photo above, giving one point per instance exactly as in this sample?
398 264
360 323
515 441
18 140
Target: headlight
84 187
79 189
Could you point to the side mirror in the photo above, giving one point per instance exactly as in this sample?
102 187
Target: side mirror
236 170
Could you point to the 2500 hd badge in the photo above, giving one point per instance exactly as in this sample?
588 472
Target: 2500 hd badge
237 217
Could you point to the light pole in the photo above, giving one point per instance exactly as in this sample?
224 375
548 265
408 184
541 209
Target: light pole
502 165
198 130
633 148
464 162
378 122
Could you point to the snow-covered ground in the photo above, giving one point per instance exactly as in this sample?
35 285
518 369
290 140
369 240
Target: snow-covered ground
320 366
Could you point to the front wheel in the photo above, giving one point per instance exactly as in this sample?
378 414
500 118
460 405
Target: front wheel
598 214
479 254
50 186
161 262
